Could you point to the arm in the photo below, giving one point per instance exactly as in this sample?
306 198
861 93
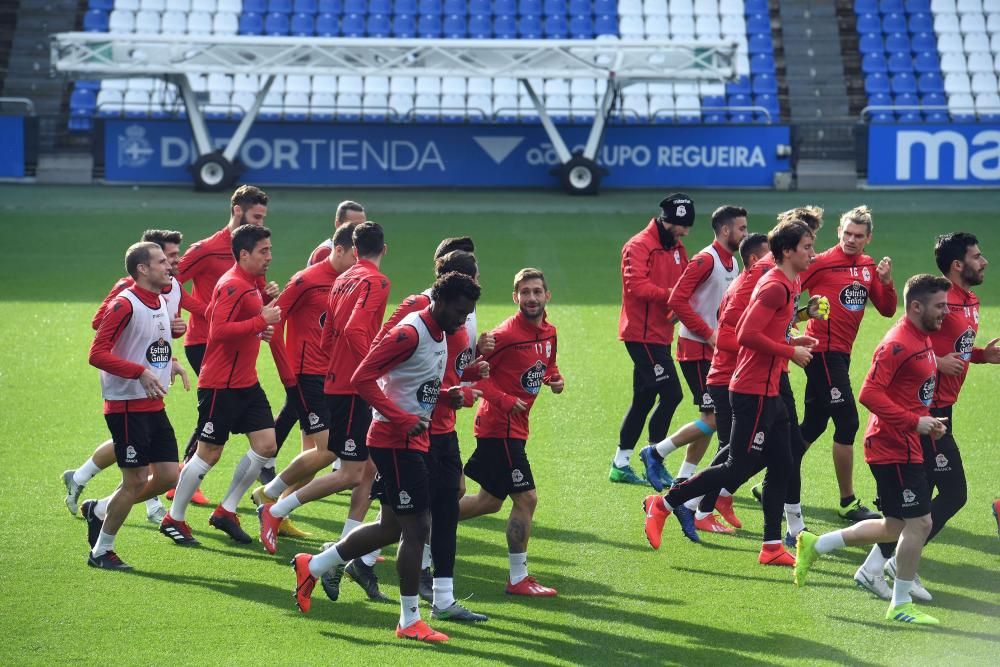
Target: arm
750 334
695 273
188 267
225 306
884 298
286 302
368 311
118 316
391 351
635 275
875 390
115 291
726 340
191 304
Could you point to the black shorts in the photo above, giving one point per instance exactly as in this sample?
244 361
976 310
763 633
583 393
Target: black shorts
723 413
405 479
696 372
225 411
828 379
142 438
350 418
903 491
653 366
500 466
941 456
195 355
445 462
310 403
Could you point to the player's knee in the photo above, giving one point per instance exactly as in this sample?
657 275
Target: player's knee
921 525
708 420
526 501
846 425
164 478
416 528
208 453
643 400
133 485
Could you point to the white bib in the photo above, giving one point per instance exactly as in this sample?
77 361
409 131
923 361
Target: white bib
706 299
145 341
414 385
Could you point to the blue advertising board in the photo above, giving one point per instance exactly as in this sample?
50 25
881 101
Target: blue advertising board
934 155
450 155
11 146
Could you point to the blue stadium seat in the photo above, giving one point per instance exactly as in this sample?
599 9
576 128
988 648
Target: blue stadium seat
579 7
554 7
740 117
454 8
866 6
874 62
713 101
769 102
505 26
898 42
355 7
529 26
480 7
903 82
505 7
927 62
893 23
707 117
605 7
889 6
352 25
480 26
276 23
761 43
930 82
739 100
305 6
581 26
95 20
106 5
918 6
327 25
900 62
380 7
880 100
876 83
924 41
751 7
907 100
556 26
255 6
921 23
429 7
303 25
758 23
404 26
606 24
936 116
762 62
871 42
531 7
85 84
251 24
429 25
454 26
323 6
963 117
405 7
764 83
83 99
883 117
909 117
868 23
279 6
379 25
934 100
739 87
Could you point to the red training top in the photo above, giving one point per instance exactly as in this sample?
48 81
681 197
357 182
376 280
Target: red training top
321 252
726 347
763 333
898 391
235 326
303 312
649 272
957 334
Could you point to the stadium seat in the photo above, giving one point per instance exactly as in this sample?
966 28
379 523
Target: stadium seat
429 26
758 23
251 24
509 7
946 23
556 26
303 25
225 23
581 26
274 24
95 20
903 82
930 82
505 26
954 63
359 7
708 27
606 24
327 25
921 23
876 83
984 83
898 42
764 83
429 7
529 26
455 7
352 25
279 6
762 63
756 7
200 23
900 62
454 26
380 7
980 62
924 41
734 27
255 6
926 62
917 6
874 62
888 6
121 20
157 6
404 26
480 26
106 5
379 26
868 23
731 8
894 23
871 42
305 6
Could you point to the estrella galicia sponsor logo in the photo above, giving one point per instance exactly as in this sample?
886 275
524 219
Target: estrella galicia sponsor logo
463 360
158 354
908 497
854 297
130 454
927 391
965 343
531 379
427 393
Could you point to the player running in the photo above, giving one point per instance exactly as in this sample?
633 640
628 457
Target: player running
898 391
523 360
401 378
652 263
695 300
230 398
848 278
348 213
761 427
132 350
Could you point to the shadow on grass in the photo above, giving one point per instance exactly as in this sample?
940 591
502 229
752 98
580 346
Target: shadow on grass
889 626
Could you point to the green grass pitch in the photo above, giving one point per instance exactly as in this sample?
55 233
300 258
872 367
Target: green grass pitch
619 603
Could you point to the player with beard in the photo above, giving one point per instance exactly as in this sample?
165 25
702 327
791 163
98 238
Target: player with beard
177 298
761 425
652 263
898 390
695 300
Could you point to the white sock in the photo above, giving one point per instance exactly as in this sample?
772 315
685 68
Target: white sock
830 541
336 465
284 506
444 592
276 487
323 562
409 610
106 543
518 567
246 472
349 525
101 508
664 447
687 470
192 474
793 515
699 515
622 457
86 472
426 562
153 504
693 503
271 462
875 562
901 591
725 493
371 558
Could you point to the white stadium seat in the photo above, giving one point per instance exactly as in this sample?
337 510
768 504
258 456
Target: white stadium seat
968 6
953 63
654 7
129 5
943 6
657 27
230 6
950 43
706 8
984 82
972 23
225 23
121 20
141 83
956 83
153 5
976 42
173 23
199 23
945 23
707 27
178 6
681 8
220 83
688 106
400 103
147 22
731 8
980 62
682 27
629 8
734 26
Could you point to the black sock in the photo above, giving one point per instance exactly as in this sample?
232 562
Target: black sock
844 502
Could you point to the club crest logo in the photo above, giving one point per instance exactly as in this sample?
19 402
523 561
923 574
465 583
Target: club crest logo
349 445
463 360
658 370
909 496
208 428
835 394
134 150
706 399
941 461
866 274
130 453
758 439
313 418
404 498
517 476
